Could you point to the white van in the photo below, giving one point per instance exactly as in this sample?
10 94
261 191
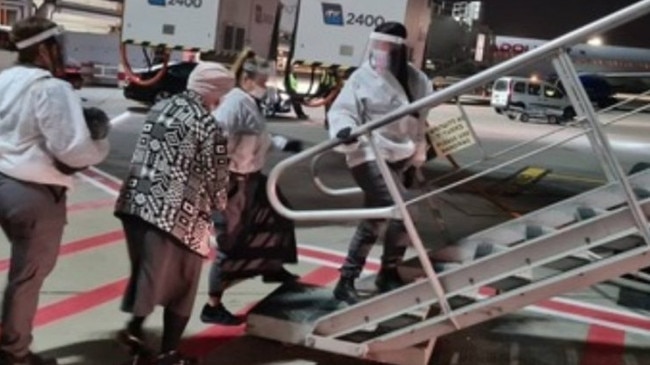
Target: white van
530 99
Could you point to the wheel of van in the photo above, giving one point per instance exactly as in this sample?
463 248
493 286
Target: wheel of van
498 110
524 117
511 116
569 113
161 95
552 119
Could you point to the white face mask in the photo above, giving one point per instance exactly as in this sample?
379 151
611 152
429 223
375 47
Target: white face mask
258 92
380 61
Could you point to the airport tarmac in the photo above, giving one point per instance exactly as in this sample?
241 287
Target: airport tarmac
79 310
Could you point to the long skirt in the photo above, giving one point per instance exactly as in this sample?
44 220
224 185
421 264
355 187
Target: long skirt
252 237
163 271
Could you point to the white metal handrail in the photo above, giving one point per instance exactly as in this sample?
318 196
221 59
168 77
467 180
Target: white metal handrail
341 192
554 47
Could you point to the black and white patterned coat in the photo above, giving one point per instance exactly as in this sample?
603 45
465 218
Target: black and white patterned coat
179 171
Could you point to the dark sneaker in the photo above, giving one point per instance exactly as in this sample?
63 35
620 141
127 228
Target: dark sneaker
280 276
174 358
135 344
30 359
219 315
388 280
346 292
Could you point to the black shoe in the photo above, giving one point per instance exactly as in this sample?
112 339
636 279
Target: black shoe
219 315
388 280
30 359
134 343
345 291
280 276
174 358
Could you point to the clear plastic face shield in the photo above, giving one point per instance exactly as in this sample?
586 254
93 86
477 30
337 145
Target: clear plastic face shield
384 52
54 41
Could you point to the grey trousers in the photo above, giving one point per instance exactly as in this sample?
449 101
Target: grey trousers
32 217
396 240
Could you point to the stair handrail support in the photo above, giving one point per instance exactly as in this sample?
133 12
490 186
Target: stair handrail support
579 98
414 236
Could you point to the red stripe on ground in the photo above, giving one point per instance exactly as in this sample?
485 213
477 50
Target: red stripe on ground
575 309
110 183
80 245
605 346
332 257
79 303
321 276
641 323
209 340
91 205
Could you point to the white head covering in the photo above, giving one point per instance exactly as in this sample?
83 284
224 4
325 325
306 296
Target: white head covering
211 78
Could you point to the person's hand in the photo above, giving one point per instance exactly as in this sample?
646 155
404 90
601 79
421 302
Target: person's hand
293 145
344 135
65 169
98 123
419 157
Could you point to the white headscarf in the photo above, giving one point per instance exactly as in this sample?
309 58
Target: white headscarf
211 78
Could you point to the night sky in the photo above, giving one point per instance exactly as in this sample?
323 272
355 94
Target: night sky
547 19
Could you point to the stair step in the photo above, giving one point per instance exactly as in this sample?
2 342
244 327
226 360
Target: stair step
509 283
382 328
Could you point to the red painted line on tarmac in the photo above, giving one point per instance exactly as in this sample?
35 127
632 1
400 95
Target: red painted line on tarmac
209 340
79 303
640 323
91 205
81 245
110 183
605 346
332 257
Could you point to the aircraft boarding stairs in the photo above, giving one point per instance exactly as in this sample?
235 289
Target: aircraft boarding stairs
578 242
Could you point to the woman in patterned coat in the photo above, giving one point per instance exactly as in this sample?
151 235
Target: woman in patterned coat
177 179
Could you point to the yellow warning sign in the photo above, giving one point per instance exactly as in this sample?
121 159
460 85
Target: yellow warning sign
450 136
530 175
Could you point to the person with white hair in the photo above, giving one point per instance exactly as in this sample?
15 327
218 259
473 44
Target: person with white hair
177 179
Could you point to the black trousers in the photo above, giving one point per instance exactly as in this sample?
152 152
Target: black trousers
396 240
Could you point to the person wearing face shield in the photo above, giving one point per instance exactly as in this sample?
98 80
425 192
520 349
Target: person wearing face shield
384 82
44 137
178 177
252 239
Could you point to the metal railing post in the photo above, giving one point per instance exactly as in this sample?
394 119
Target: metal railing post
574 87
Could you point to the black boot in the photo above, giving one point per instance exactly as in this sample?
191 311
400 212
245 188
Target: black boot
345 291
387 280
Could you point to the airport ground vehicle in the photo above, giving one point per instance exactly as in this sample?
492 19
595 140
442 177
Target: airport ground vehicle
174 81
528 98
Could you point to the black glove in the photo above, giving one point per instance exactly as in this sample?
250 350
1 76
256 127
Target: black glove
98 123
65 169
344 135
293 145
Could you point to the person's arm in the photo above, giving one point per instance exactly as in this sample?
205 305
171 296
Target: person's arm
426 90
421 145
344 115
61 120
213 153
